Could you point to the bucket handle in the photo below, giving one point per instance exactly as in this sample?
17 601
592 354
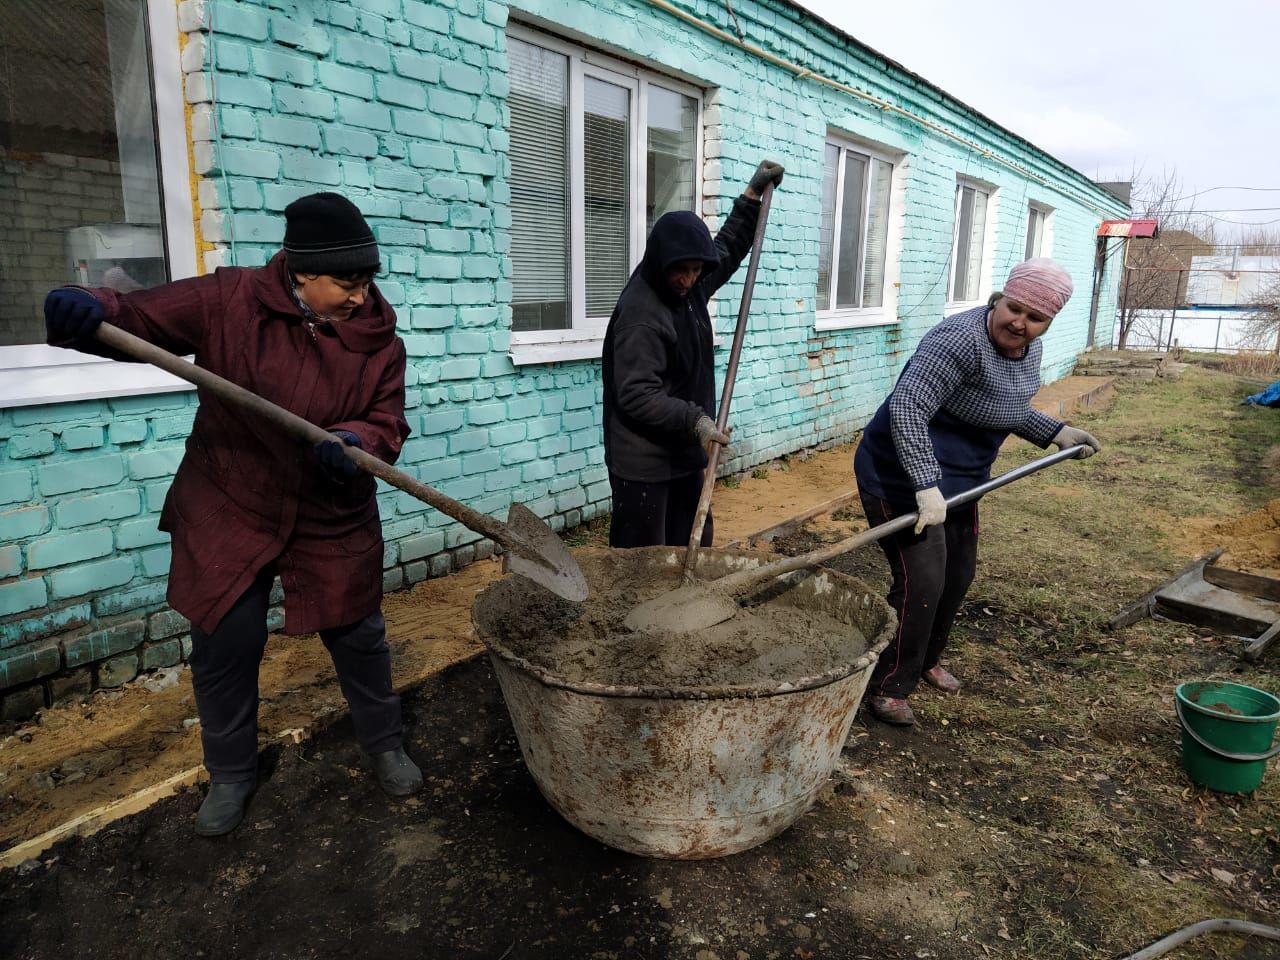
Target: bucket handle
1217 751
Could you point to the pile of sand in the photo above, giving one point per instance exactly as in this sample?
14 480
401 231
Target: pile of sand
1252 542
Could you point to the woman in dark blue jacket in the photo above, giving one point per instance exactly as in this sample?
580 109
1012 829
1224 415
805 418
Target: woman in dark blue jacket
965 389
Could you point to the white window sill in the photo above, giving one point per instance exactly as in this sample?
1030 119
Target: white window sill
853 319
37 374
525 353
960 306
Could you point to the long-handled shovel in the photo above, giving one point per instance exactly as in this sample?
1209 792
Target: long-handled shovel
731 375
691 608
532 549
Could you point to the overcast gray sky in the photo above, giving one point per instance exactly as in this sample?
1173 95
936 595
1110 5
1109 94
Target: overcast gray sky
1107 86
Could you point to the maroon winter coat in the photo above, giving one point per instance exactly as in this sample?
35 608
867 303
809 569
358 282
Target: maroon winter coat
246 495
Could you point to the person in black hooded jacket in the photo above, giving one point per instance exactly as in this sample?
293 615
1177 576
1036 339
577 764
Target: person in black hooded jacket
659 374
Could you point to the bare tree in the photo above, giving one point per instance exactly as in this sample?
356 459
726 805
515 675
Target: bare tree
1155 270
1259 241
1262 328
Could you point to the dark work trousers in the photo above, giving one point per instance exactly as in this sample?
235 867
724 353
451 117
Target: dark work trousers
224 673
656 514
931 575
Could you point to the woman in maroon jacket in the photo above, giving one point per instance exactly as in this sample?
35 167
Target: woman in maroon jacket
310 332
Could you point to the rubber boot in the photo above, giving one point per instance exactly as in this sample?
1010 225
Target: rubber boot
942 679
223 808
892 710
397 774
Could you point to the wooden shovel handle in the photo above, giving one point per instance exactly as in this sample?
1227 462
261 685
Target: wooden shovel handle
730 377
124 342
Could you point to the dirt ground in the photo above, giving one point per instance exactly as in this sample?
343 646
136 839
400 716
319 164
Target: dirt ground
78 757
1040 813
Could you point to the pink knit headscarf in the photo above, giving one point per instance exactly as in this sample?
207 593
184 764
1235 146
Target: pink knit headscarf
1039 284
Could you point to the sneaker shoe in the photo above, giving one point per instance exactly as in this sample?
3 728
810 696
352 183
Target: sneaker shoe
223 808
893 710
397 774
941 678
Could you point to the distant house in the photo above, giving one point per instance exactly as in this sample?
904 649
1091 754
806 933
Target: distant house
1212 314
511 158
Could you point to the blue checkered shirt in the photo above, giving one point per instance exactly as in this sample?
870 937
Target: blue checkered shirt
959 391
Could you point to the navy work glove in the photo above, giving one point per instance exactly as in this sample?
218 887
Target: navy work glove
768 172
71 315
334 458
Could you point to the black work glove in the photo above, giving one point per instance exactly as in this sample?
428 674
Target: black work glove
334 458
768 172
71 315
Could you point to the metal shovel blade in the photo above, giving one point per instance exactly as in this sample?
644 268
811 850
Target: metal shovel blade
683 610
542 557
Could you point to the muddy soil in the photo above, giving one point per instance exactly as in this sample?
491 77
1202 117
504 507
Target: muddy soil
146 731
764 645
477 867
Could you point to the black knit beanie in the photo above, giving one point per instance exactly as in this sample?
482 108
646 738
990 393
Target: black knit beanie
325 233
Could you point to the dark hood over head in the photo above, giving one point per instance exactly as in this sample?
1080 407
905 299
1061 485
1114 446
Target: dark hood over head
679 235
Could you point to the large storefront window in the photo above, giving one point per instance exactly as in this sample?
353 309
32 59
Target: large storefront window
82 196
79 179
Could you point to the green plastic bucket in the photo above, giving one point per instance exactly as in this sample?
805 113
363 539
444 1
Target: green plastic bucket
1227 729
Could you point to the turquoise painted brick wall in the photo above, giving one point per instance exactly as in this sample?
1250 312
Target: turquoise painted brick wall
799 387
82 556
401 105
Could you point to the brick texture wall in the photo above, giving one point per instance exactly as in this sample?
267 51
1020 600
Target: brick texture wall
401 105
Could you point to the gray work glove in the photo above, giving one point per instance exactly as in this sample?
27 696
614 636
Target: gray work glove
705 429
768 172
1070 436
932 506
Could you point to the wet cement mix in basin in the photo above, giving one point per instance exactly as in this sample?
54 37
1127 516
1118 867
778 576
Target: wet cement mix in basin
765 643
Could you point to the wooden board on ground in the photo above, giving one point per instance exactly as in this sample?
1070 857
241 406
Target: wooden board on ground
792 524
1144 607
1193 598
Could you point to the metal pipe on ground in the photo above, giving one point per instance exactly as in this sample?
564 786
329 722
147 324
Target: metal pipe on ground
1219 925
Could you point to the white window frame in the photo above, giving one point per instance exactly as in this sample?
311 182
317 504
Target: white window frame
584 338
1046 232
850 318
988 244
33 374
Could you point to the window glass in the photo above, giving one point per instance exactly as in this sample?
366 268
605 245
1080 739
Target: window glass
827 232
1035 232
971 224
79 172
877 233
671 153
599 151
607 192
849 266
539 105
854 232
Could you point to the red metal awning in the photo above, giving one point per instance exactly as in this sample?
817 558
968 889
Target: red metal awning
1128 228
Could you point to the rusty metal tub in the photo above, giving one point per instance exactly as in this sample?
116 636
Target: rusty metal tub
691 773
